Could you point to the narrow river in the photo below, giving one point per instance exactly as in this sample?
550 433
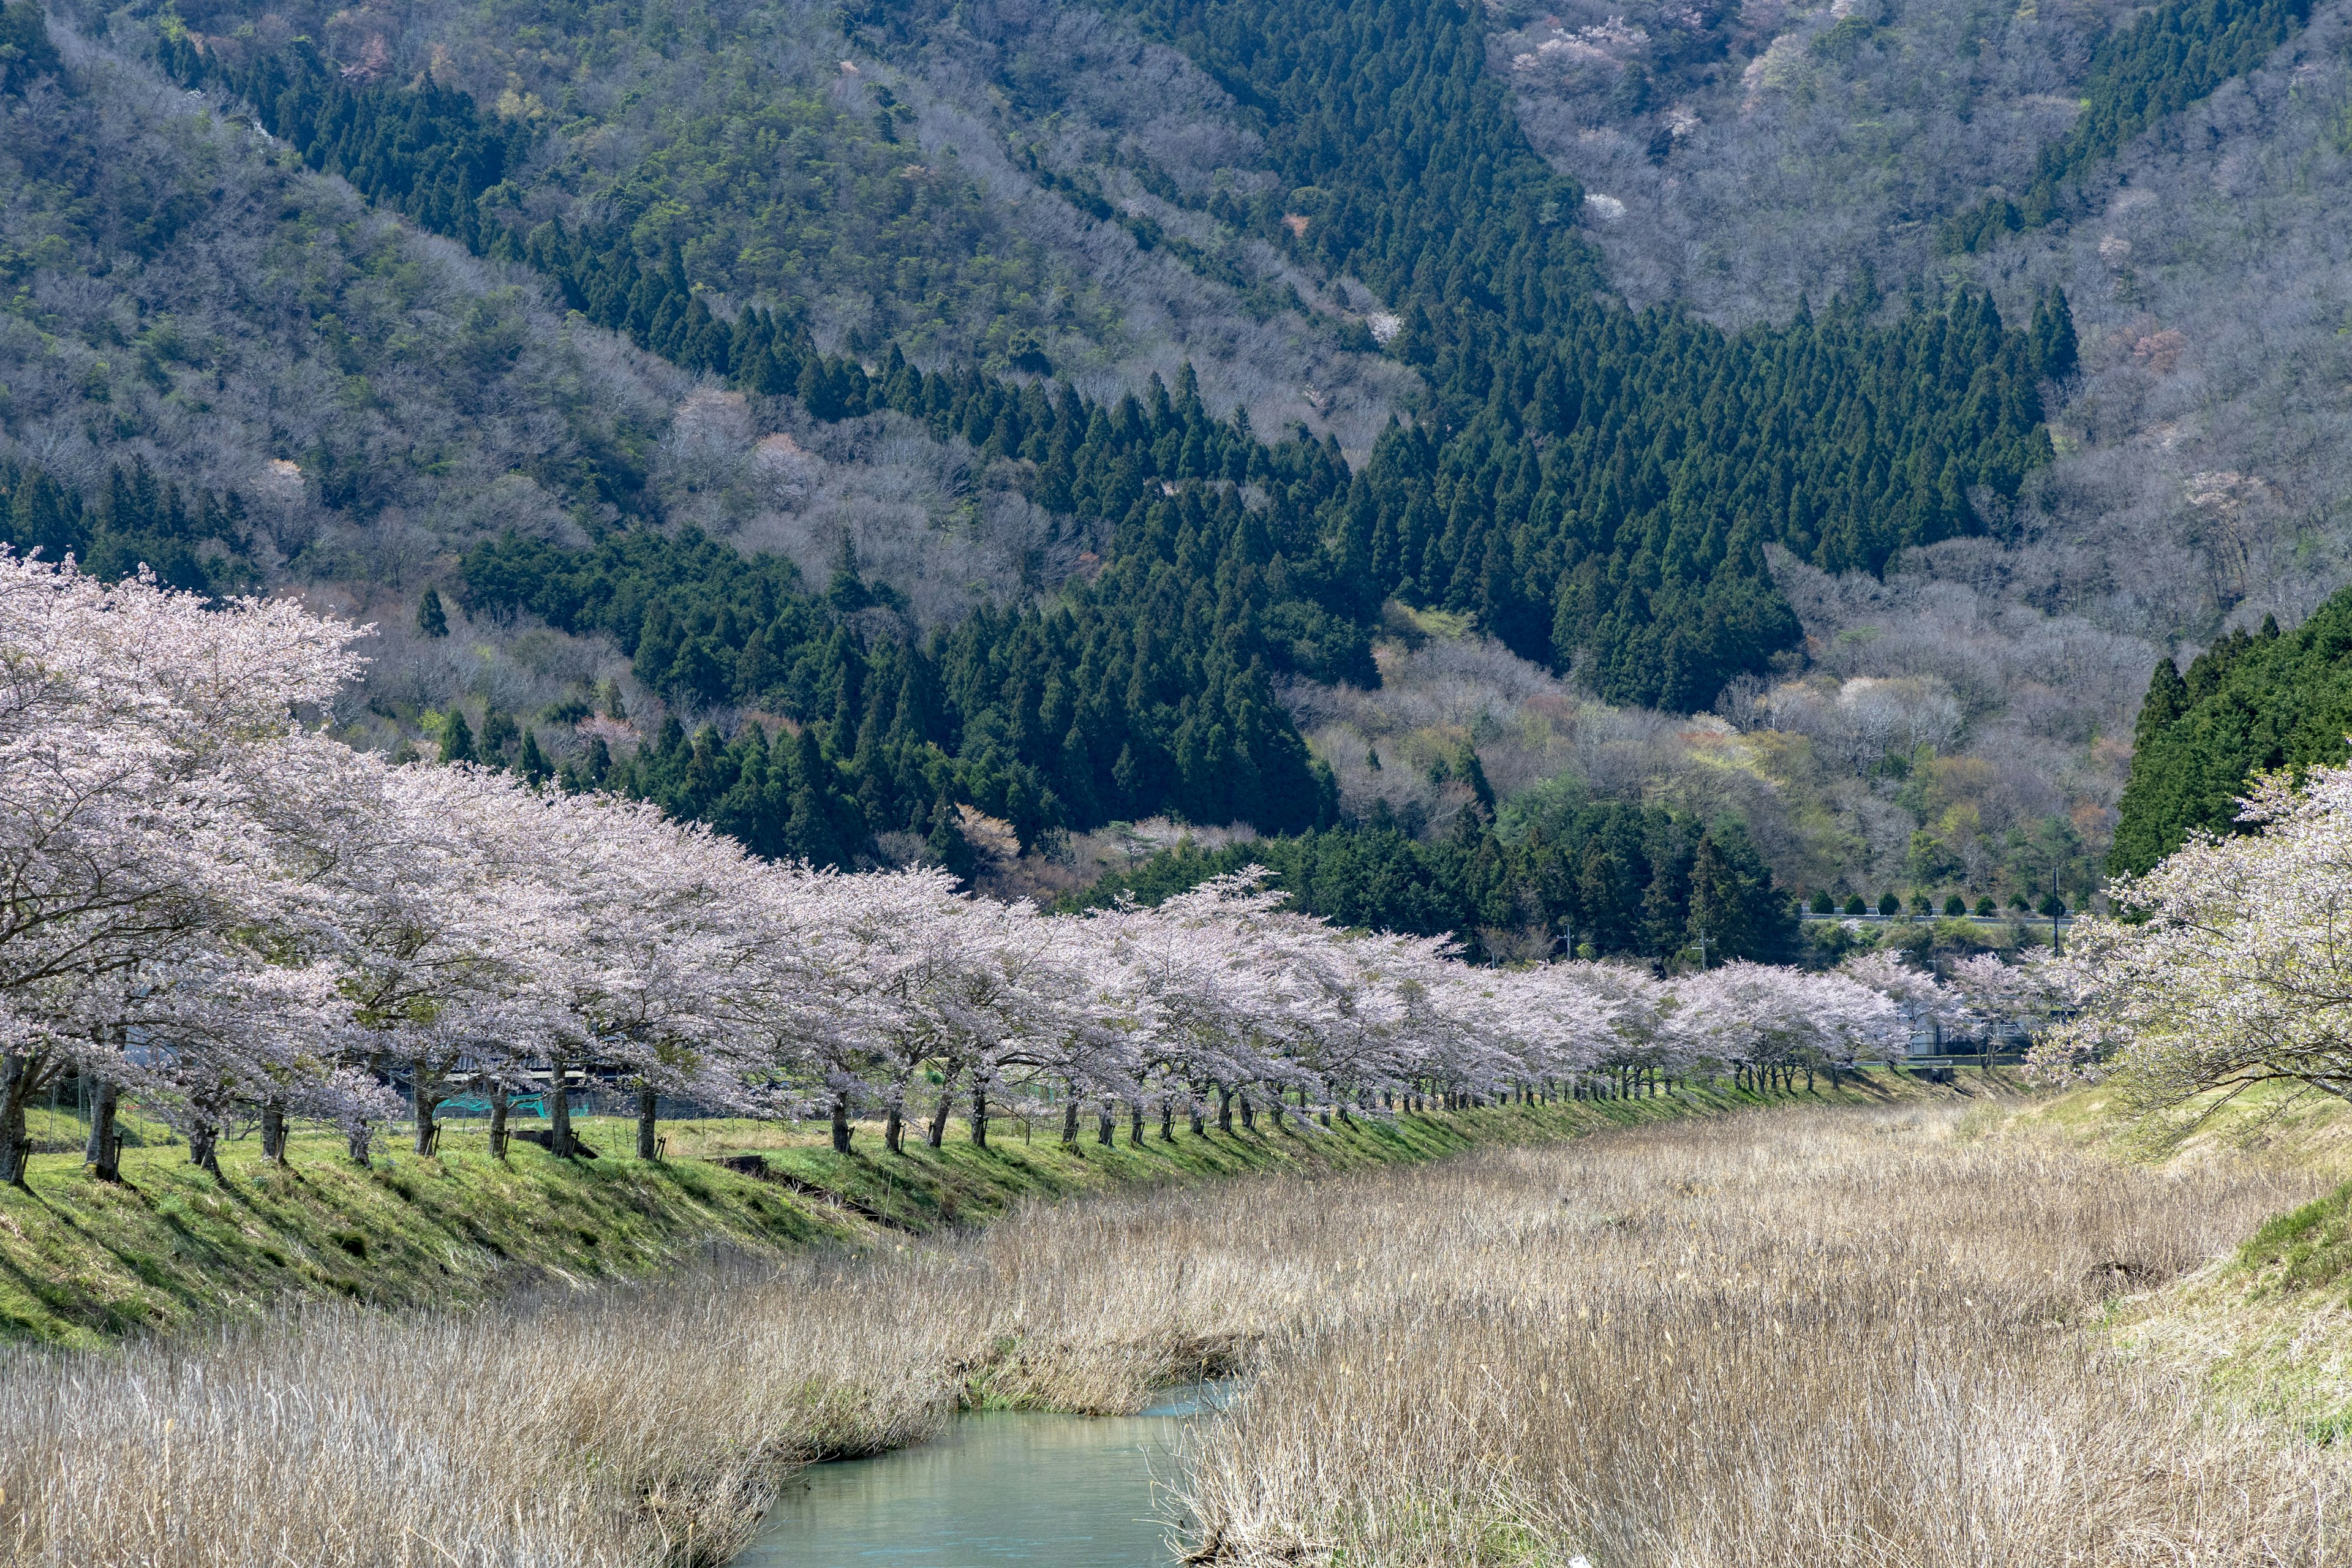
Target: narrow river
1056 1491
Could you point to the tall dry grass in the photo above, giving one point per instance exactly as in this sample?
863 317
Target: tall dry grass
631 1426
608 1428
1819 1339
1834 1337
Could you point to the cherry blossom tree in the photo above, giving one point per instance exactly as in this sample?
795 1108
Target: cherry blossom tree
1778 1022
2227 968
232 915
125 711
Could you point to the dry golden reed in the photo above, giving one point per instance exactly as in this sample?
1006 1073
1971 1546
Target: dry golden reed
1819 1339
1783 1338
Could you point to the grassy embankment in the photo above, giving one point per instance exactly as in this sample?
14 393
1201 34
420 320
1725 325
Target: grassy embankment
81 1262
2268 1329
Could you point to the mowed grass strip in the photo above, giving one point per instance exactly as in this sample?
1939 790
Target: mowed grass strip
82 1262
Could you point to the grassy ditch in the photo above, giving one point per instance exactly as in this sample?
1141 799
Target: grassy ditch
82 1262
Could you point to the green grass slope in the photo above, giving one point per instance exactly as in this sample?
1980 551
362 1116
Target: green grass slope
171 1248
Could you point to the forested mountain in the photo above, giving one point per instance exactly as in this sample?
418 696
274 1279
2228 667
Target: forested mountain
821 422
2201 477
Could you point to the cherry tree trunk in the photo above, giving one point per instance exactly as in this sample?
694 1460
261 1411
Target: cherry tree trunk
1225 1110
894 1129
20 1074
937 1132
1070 1121
104 1151
358 1136
1249 1115
980 1116
1192 1112
649 1109
498 1099
1106 1125
273 1131
1135 1123
841 1121
204 1146
1167 1119
558 1113
426 1101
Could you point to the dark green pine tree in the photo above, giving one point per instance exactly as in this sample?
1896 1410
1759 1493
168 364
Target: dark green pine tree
2052 335
456 738
1757 921
1717 902
530 763
947 847
2167 698
1467 768
432 621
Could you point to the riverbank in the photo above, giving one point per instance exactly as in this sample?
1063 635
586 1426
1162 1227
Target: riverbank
2266 1330
82 1263
1736 1330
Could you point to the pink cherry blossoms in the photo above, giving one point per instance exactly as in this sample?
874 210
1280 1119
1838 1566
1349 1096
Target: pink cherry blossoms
2229 966
214 906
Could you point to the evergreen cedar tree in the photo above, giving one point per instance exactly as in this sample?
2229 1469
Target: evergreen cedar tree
1586 480
431 620
2251 703
456 738
25 50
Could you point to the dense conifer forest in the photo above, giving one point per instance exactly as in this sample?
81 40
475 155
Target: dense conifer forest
1603 879
2248 704
939 532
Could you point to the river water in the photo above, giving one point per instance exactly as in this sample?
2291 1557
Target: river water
996 1487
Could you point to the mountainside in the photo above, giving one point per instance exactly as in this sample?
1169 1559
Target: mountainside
834 425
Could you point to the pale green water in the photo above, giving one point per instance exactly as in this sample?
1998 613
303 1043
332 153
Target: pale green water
1054 1491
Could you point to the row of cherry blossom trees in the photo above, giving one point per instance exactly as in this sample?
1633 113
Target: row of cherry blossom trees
210 904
